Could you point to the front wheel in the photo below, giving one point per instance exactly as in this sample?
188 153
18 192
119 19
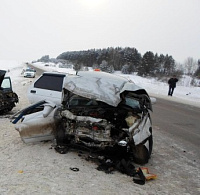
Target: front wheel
143 151
60 134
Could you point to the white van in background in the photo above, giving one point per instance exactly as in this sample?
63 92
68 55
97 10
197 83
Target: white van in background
47 87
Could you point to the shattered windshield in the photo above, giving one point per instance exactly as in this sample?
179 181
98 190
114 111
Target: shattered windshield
76 100
81 101
133 103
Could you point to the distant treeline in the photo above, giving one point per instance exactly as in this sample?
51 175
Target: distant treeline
126 59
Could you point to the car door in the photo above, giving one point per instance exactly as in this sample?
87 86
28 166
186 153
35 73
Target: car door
47 87
6 84
36 122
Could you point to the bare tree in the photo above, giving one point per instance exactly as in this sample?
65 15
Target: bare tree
190 66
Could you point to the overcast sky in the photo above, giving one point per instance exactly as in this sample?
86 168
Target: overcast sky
30 29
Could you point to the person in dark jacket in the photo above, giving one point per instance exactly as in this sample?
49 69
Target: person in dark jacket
172 84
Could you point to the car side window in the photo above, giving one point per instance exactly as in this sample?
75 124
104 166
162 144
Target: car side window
50 82
6 84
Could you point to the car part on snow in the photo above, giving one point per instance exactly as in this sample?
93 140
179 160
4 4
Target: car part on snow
126 167
142 175
74 169
139 177
148 176
61 149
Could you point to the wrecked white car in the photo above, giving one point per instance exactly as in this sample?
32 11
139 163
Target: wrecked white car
99 110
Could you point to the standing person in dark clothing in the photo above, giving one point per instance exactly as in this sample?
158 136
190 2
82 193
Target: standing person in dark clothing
172 84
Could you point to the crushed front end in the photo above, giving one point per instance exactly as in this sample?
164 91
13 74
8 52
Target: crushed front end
96 124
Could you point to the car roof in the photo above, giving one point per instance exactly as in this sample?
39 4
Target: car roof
100 86
55 74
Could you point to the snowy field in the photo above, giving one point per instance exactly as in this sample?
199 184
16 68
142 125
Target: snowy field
37 169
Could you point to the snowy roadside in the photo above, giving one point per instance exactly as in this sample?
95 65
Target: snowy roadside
191 102
182 94
38 169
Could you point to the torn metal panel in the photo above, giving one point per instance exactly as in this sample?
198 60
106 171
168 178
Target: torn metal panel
143 130
70 115
37 132
38 126
48 108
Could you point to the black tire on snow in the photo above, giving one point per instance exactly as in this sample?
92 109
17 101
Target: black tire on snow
60 134
141 154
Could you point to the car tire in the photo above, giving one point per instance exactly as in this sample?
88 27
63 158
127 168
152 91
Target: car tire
60 135
143 151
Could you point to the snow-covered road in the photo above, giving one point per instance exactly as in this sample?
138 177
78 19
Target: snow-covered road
38 169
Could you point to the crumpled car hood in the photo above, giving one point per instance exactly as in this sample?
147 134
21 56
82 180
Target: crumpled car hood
100 86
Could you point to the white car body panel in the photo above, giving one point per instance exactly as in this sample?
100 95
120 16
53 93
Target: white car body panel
38 126
142 132
37 93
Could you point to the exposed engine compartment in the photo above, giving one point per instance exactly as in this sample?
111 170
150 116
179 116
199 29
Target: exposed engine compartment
99 124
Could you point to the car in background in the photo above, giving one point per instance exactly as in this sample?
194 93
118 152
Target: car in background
30 72
47 87
99 110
